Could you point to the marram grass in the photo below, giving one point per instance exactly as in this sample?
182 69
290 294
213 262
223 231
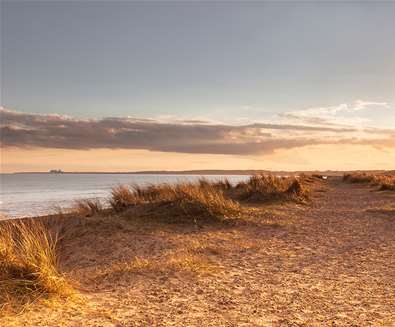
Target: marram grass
29 266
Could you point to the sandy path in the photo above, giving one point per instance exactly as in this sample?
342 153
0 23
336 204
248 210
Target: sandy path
331 263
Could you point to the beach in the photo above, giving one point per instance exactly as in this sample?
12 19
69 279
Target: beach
326 262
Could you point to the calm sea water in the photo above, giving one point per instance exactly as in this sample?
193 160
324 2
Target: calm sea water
23 195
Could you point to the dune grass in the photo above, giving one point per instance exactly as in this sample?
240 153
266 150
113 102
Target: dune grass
359 178
387 183
266 188
222 184
29 266
384 182
88 207
191 200
206 199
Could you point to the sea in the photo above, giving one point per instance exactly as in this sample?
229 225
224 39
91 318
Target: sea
30 195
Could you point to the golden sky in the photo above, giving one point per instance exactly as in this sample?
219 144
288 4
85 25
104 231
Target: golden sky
311 139
339 157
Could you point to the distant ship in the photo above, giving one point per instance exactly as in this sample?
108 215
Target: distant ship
56 171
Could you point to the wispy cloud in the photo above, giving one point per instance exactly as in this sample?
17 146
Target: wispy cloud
335 115
185 136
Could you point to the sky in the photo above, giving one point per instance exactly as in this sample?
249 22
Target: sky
122 86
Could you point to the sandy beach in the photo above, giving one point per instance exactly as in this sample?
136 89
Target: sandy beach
330 262
197 163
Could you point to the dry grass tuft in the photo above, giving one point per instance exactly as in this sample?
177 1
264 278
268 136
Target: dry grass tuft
121 198
359 178
384 182
185 260
387 183
88 208
266 187
28 264
193 201
222 184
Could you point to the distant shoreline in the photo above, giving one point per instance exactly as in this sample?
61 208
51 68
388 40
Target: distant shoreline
205 172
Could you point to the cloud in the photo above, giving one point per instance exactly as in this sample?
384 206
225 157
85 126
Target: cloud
25 130
334 115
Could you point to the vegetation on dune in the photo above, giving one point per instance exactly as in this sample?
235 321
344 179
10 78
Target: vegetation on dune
387 183
29 257
222 184
206 199
87 208
267 187
192 200
384 182
359 178
28 264
122 197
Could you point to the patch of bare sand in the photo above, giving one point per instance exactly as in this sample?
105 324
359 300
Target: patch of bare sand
330 263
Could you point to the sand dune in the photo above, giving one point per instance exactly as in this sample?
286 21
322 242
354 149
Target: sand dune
330 262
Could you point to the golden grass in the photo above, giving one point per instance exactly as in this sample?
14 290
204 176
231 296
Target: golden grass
185 260
359 178
222 184
88 207
29 266
384 182
267 187
387 183
190 200
205 199
122 197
